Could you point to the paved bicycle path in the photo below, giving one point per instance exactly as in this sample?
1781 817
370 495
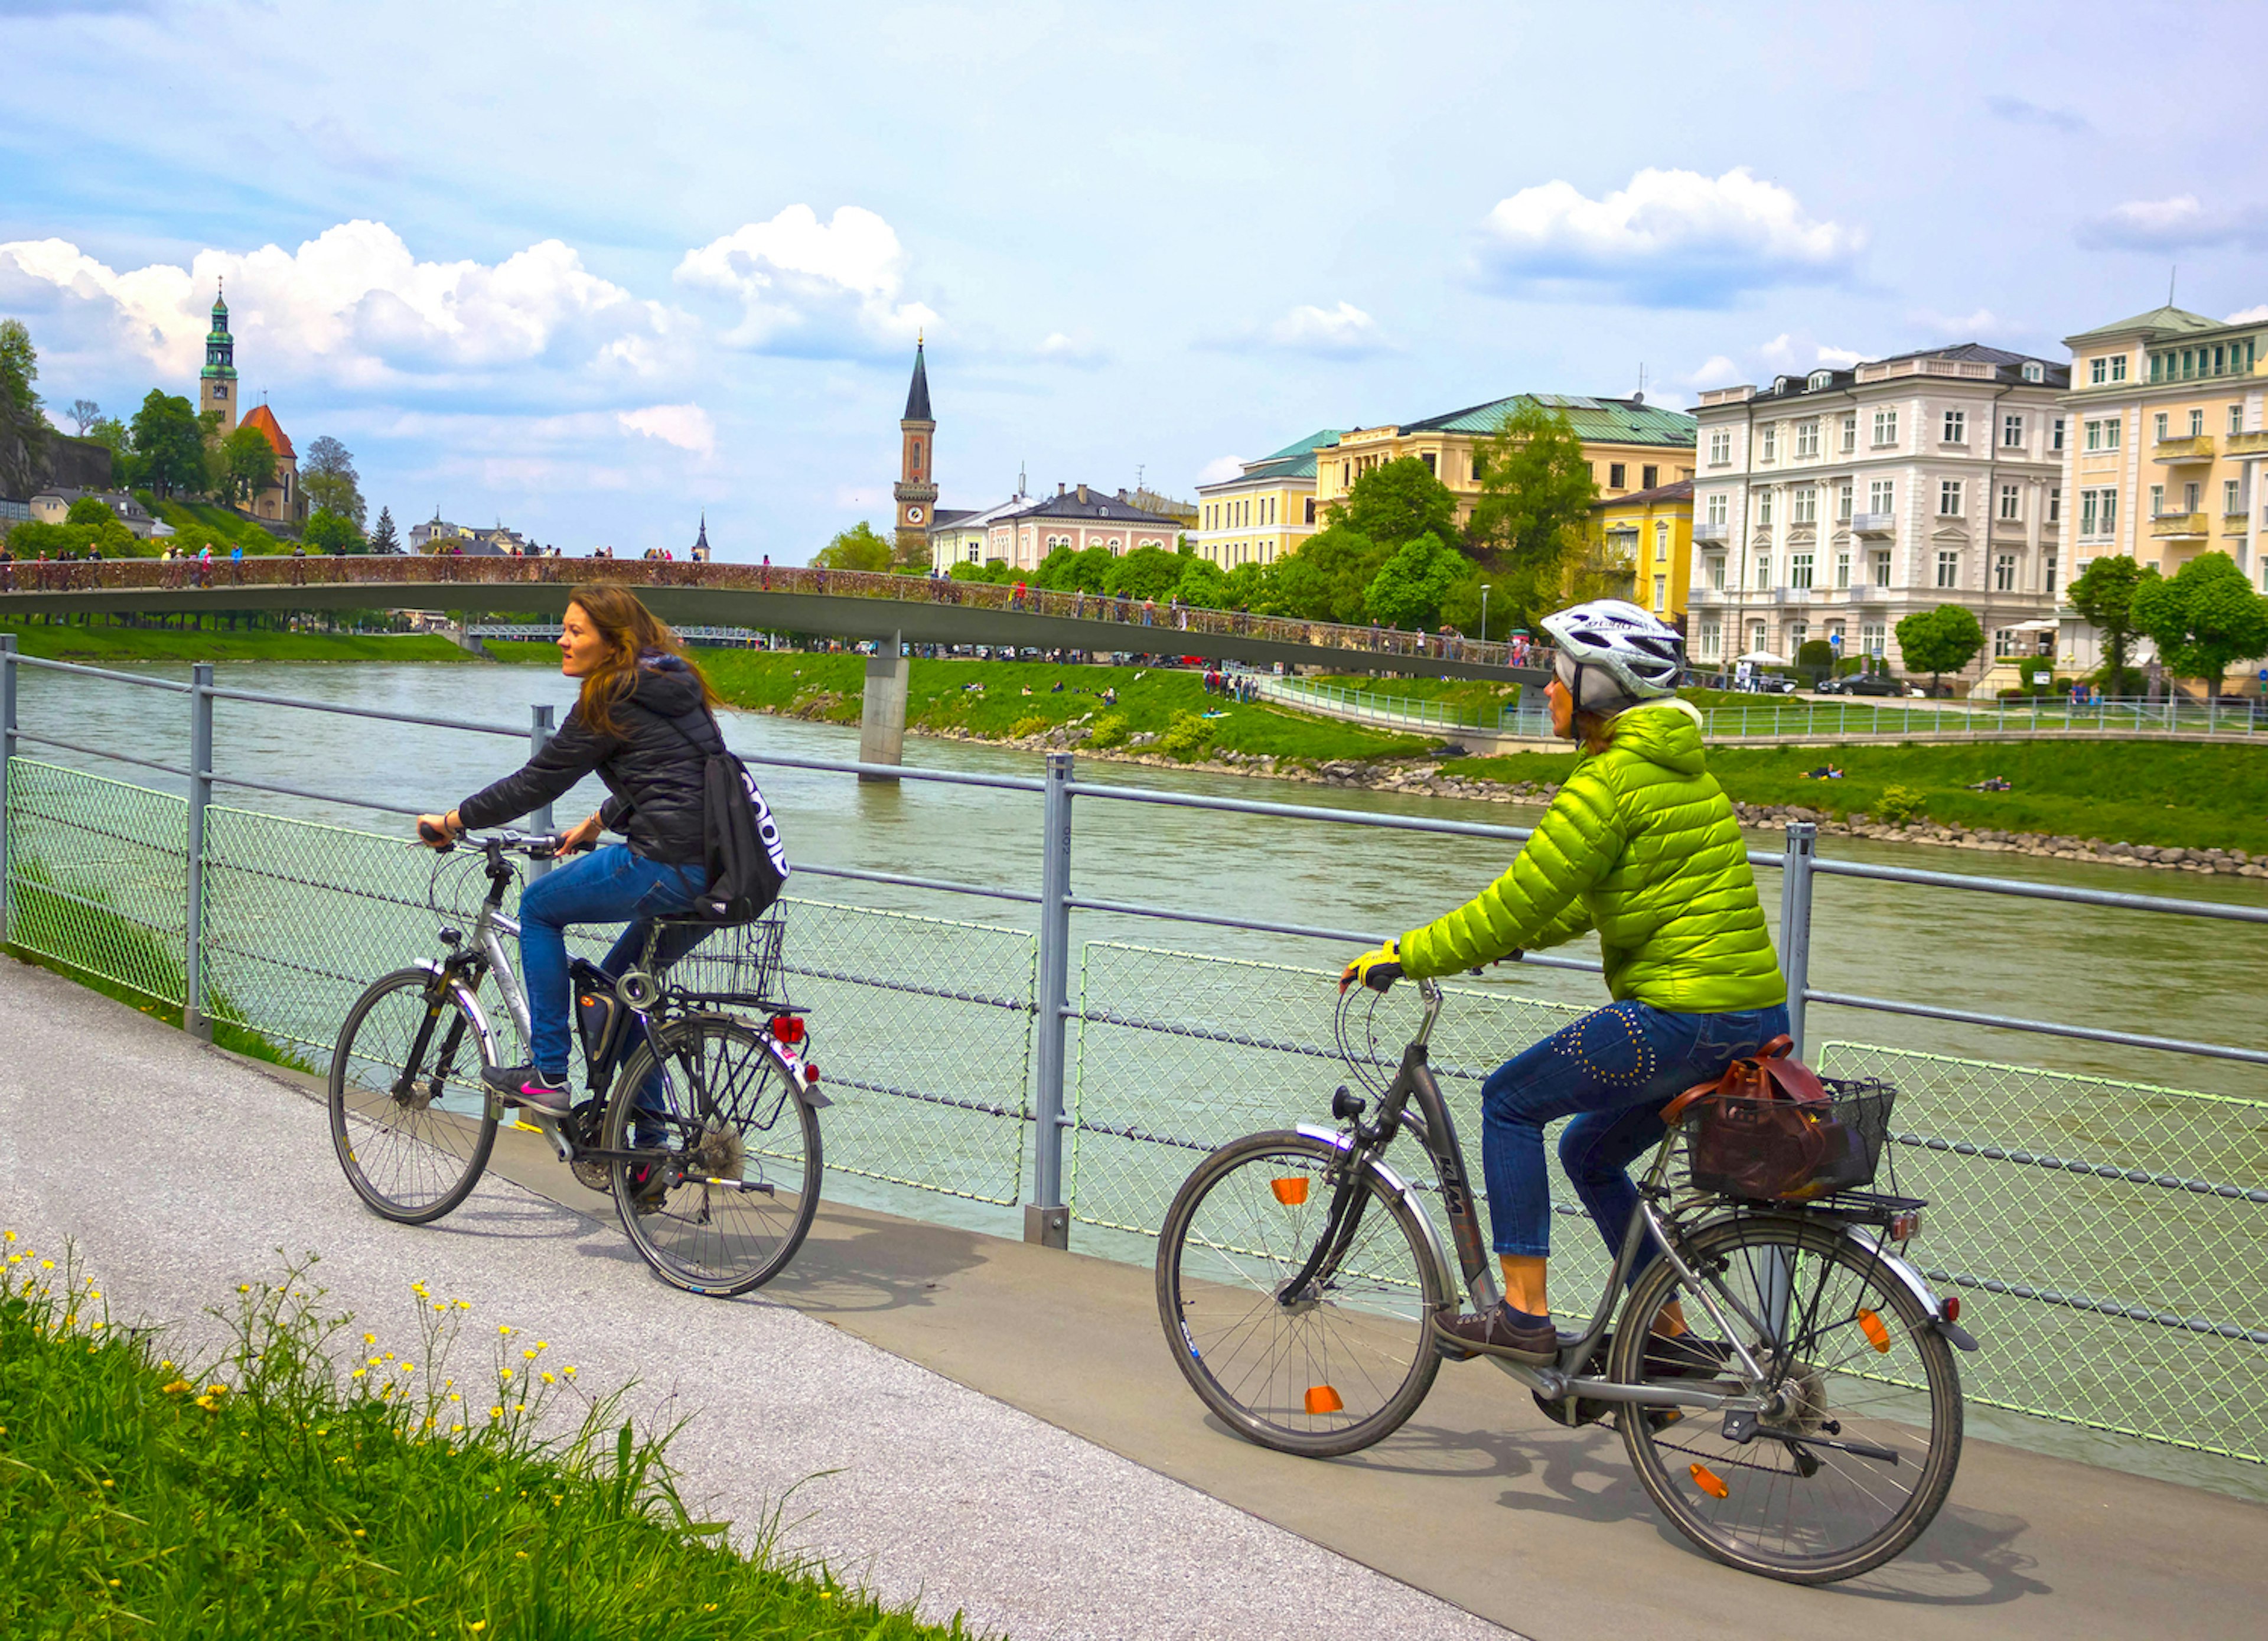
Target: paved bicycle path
1479 1499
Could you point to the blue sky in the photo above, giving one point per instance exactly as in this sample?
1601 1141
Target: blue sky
592 269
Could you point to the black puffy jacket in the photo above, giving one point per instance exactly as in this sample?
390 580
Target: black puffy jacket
655 774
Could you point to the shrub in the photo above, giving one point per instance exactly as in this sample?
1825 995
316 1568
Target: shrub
1187 736
1110 730
1030 724
1899 804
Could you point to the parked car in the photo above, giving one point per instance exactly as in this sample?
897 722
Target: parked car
1772 684
1863 684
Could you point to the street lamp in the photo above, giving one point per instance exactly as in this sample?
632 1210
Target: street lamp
1484 587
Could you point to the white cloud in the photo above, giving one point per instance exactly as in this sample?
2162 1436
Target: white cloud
1787 353
821 289
1841 358
352 307
2172 225
1343 332
1671 238
1078 348
689 427
1983 322
1716 371
1219 469
2247 316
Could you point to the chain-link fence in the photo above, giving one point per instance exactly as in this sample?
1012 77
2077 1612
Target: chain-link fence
98 878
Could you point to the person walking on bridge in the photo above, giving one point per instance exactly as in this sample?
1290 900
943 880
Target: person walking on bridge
645 722
1640 844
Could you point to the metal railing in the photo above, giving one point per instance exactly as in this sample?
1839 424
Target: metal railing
2103 1232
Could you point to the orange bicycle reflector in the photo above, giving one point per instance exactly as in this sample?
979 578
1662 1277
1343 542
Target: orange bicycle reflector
1710 1482
1291 1192
1951 1308
1877 1335
1322 1398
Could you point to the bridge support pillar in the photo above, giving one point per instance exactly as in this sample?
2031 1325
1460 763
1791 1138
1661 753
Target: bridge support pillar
882 712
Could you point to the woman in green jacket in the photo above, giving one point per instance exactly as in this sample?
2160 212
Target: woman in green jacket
1640 845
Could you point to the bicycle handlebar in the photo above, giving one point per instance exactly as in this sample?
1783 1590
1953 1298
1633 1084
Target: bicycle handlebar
533 845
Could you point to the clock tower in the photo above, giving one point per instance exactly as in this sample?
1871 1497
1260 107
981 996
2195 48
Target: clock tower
217 382
915 489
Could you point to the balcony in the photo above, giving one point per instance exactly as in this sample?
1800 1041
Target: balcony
2178 527
1716 532
2235 523
1791 595
2249 443
2181 451
1869 593
1874 524
1709 595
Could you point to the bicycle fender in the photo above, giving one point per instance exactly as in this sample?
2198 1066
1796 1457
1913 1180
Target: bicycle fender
1957 1336
474 1012
790 1065
1394 1182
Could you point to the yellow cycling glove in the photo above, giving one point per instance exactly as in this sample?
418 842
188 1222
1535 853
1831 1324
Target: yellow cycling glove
1378 969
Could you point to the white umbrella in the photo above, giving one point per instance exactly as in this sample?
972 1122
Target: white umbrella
1761 658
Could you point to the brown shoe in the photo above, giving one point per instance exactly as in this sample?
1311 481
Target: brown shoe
1512 1335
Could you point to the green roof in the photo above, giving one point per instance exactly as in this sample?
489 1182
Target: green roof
1308 445
2162 320
1595 421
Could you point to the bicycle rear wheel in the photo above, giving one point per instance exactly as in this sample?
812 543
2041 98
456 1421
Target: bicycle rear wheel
411 1121
739 1153
1851 1463
1338 1367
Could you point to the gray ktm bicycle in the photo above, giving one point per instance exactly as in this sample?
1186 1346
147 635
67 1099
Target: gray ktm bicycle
702 1118
1784 1383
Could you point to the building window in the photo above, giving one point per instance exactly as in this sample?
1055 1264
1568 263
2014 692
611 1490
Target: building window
2197 425
1648 477
2118 367
1660 593
1818 379
1882 570
1764 572
2055 434
2229 502
1768 448
2012 432
2237 418
1806 438
1717 572
1311 510
2086 516
2047 573
2110 511
1841 566
2157 500
1948 568
1851 431
2190 497
1764 508
2035 372
1428 459
1798 632
2004 573
1660 543
1881 495
1614 471
1806 504
1756 634
2094 440
1870 639
1717 507
1799 569
2054 503
1843 502
2158 427
1886 427
974 549
1720 447
2011 501
1949 498
1956 427
2004 642
2098 372
1713 640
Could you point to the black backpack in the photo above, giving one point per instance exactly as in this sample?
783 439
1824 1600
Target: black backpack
746 861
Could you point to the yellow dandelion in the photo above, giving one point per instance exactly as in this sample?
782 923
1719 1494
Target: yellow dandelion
409 1368
93 1293
464 1305
244 1287
528 1356
218 1390
369 1338
504 1372
495 1413
358 1372
372 1361
176 1388
504 1329
441 1305
7 1236
47 1264
453 1429
569 1371
544 1345
549 1379
519 1554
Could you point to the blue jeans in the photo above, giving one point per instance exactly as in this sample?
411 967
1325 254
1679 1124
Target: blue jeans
609 885
1612 1072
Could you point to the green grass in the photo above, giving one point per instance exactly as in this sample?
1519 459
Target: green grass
1471 694
2193 796
209 520
299 1484
103 646
938 697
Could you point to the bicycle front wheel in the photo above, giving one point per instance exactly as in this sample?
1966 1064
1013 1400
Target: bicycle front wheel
1327 1370
411 1121
737 1151
1857 1448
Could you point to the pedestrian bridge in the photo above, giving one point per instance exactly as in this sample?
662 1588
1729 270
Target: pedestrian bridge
822 603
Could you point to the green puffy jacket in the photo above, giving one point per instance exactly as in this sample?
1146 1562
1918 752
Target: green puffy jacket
1641 846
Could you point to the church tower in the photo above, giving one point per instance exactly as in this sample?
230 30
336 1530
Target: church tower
915 489
217 383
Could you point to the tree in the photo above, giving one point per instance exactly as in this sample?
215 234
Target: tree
109 430
328 475
385 538
2104 594
858 547
89 510
1328 578
23 429
1147 572
169 445
1399 501
1939 641
1815 660
1251 587
1537 491
1409 588
1203 585
329 531
2204 617
247 464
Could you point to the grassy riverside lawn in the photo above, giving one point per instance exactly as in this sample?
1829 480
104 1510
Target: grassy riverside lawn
988 701
107 646
298 1484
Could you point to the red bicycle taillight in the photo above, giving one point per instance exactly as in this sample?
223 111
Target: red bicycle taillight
1951 1308
787 1027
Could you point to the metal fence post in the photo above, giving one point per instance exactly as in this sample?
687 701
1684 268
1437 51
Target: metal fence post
539 732
194 1019
7 756
1801 849
1047 1220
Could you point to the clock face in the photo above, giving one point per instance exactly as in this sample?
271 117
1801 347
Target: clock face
913 515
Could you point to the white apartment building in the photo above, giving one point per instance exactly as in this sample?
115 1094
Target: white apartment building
1833 505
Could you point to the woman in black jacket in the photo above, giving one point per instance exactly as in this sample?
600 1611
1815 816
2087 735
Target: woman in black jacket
642 724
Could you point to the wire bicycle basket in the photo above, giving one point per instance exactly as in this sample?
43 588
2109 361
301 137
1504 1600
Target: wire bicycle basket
735 964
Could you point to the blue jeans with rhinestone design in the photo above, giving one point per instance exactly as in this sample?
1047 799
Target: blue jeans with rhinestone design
1611 1071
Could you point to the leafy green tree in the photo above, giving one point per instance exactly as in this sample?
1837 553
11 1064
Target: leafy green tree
385 538
994 570
1201 584
1409 588
30 538
169 445
247 464
1328 578
1399 501
110 432
89 510
328 475
330 532
23 429
1060 564
1249 587
1939 641
1537 491
1815 660
1147 572
1461 605
858 547
2104 593
2203 618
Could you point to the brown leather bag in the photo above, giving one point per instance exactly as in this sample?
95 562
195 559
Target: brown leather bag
1766 1131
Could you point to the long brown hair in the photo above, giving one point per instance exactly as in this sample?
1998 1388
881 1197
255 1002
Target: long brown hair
631 632
1595 732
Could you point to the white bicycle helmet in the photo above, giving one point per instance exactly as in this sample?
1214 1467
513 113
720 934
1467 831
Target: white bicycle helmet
1613 654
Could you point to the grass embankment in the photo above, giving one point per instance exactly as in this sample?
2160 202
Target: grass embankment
225 527
1473 695
1012 699
106 646
270 1491
2122 791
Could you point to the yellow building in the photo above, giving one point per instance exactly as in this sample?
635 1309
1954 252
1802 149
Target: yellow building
2165 438
1651 533
1631 445
1264 511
